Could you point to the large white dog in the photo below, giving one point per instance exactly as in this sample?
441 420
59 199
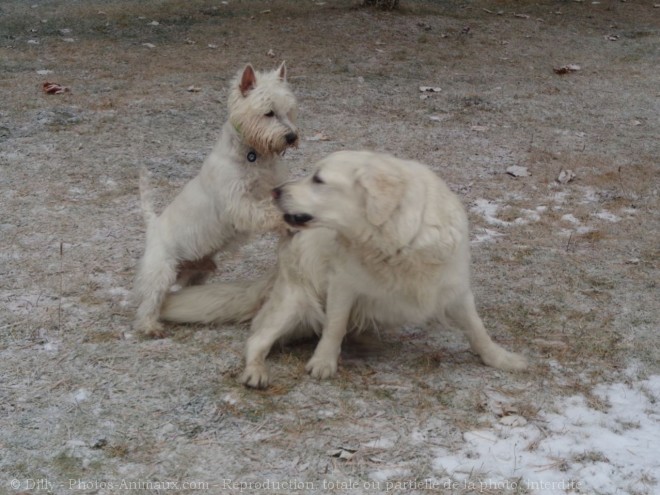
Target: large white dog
379 241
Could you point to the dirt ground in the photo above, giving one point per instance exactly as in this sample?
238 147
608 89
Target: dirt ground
566 273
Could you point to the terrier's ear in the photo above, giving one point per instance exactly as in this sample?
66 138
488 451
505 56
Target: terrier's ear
282 71
384 192
248 80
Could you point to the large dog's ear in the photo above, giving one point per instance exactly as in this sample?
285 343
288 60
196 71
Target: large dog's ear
248 80
384 191
281 71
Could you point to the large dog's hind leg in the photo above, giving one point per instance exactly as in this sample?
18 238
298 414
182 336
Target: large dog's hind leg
463 313
279 317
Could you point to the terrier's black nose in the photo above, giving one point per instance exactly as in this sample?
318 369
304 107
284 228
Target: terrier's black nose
276 193
291 138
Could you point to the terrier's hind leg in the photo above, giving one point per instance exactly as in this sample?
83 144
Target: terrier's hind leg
463 313
156 274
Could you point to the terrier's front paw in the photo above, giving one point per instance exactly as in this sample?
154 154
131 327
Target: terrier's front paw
151 330
321 368
255 376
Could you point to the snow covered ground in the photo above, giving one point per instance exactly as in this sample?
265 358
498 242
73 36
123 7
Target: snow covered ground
565 257
582 449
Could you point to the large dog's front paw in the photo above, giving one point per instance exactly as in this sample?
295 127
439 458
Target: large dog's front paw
321 367
255 376
504 360
515 362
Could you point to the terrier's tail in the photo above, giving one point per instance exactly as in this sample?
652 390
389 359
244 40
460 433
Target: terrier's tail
221 303
146 197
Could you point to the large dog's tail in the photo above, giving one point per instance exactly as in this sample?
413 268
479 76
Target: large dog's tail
221 303
146 197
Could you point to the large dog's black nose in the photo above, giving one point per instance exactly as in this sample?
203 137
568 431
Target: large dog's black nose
276 193
291 138
297 219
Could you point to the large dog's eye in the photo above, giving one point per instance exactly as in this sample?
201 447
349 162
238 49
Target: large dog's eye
317 180
270 114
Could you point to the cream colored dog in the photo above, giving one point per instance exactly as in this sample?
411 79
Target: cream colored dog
381 241
229 199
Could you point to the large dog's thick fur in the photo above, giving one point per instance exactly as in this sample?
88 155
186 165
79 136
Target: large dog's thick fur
382 241
230 198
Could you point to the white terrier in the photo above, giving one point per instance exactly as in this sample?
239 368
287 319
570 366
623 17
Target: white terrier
229 199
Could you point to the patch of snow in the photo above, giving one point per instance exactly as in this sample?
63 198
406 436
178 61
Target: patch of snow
530 216
488 209
570 218
559 196
80 395
109 182
380 443
418 436
118 291
590 195
580 450
386 474
485 235
75 444
51 347
606 215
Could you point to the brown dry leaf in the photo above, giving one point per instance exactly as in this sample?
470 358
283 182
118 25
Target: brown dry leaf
344 453
54 88
518 171
567 69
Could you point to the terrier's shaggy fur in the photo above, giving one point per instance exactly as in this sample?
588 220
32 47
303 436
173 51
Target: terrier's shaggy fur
229 199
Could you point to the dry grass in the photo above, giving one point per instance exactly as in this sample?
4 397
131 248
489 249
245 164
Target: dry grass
581 303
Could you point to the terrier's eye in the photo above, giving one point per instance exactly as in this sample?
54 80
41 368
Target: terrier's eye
270 114
317 180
